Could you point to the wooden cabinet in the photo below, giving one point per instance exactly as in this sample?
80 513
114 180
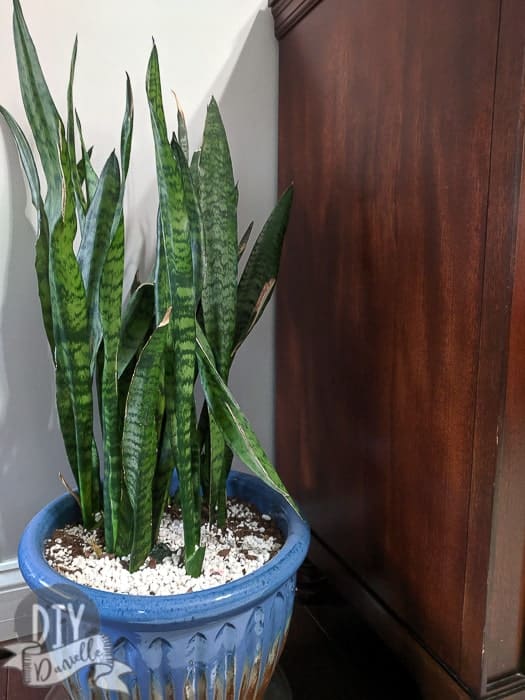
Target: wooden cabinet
401 322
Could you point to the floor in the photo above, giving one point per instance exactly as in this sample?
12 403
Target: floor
330 655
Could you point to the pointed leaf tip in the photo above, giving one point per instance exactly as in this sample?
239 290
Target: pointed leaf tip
213 102
129 91
179 109
166 318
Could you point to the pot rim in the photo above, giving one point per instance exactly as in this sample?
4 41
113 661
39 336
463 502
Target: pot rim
182 607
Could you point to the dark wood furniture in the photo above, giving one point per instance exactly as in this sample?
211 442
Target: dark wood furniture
401 322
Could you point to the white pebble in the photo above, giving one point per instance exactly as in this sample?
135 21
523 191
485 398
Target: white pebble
225 559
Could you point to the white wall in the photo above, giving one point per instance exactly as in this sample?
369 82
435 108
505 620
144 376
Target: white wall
205 47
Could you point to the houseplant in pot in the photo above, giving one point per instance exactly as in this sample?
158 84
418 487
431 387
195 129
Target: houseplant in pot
178 330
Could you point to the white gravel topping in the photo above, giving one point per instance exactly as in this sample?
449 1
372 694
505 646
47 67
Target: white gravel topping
228 556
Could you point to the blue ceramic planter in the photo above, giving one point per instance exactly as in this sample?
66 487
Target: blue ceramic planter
222 643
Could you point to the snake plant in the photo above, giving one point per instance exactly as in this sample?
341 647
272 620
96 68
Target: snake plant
140 363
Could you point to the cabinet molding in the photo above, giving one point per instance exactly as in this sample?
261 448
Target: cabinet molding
287 13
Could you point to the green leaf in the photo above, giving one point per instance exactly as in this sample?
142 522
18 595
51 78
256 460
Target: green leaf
71 333
182 134
66 419
234 426
26 157
80 199
110 315
137 321
162 478
42 273
216 469
177 249
81 171
70 108
194 170
42 114
90 176
124 535
198 250
110 306
260 274
195 447
102 218
218 200
140 441
42 243
99 369
124 540
162 287
203 435
127 130
244 241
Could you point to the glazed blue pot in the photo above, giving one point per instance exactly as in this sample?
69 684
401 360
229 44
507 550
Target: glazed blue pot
221 643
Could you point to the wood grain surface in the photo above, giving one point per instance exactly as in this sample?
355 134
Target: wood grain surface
398 429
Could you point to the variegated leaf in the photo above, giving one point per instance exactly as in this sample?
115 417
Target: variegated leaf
179 266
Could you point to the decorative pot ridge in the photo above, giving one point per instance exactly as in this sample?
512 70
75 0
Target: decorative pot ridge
220 643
